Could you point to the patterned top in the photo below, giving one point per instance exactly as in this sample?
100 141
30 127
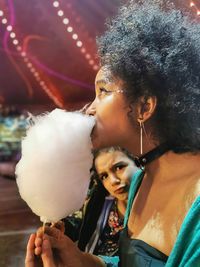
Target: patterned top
108 242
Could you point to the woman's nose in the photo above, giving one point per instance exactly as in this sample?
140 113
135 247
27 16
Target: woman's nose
84 109
91 110
114 179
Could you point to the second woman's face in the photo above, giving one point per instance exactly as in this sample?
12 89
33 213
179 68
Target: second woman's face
110 109
115 170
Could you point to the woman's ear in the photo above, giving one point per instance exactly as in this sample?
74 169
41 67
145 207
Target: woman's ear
146 107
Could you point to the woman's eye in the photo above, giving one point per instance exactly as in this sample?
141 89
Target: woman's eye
120 167
103 91
103 177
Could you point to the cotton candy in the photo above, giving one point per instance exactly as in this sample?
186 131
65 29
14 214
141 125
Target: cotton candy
54 170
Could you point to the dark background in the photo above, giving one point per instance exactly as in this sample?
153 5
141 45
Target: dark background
53 53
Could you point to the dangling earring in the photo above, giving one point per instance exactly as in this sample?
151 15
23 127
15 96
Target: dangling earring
141 135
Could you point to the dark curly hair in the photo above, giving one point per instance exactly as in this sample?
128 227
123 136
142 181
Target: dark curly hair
156 52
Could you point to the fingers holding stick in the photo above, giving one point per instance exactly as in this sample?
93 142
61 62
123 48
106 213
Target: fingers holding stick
59 225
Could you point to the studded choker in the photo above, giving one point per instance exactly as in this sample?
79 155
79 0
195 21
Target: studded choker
151 155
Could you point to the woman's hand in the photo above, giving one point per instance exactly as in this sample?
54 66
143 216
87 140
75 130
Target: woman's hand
64 251
46 259
54 249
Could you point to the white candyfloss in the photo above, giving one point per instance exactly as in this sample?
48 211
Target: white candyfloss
54 170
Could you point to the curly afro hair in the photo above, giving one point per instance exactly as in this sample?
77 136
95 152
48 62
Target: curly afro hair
155 50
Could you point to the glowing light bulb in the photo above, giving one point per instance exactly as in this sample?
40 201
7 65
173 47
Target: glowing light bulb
65 21
91 62
9 28
42 83
23 54
198 12
12 35
69 29
60 13
36 74
19 48
75 36
15 42
83 50
191 4
56 4
26 60
79 43
32 69
88 56
1 13
4 21
29 65
95 67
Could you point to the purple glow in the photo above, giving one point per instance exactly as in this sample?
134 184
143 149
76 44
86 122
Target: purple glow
5 45
52 72
61 76
37 62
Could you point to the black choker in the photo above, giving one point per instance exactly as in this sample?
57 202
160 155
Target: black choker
151 155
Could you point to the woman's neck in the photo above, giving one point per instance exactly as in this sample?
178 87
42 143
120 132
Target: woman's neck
134 147
171 166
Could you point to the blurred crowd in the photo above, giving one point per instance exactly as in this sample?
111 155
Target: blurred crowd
12 129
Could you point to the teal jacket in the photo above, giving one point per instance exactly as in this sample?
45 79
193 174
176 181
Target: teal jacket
186 250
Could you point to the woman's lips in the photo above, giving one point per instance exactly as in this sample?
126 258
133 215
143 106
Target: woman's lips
92 135
120 190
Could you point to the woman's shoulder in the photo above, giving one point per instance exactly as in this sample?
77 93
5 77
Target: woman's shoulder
193 191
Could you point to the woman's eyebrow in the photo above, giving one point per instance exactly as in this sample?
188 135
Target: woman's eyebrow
104 81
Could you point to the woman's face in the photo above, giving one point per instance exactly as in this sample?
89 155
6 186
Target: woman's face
115 170
110 108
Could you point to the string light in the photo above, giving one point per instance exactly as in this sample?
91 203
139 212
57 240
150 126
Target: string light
69 29
12 35
74 35
60 13
23 54
19 48
4 21
15 42
96 67
26 60
36 74
56 4
193 5
9 28
83 50
79 43
91 62
65 21
88 56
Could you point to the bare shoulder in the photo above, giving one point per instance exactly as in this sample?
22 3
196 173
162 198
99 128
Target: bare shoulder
193 192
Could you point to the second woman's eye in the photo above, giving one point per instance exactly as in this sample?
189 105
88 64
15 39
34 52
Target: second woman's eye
120 167
103 176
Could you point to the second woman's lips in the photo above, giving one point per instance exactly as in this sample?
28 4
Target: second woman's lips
120 189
